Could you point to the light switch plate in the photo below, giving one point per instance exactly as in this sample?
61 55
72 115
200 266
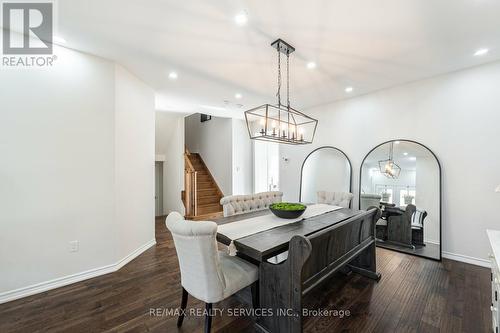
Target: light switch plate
73 246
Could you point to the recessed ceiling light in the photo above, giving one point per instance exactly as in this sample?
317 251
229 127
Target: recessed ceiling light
173 75
238 96
406 154
481 52
397 142
241 19
413 158
311 65
59 40
349 89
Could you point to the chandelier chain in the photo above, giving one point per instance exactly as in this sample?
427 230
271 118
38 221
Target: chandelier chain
288 80
278 94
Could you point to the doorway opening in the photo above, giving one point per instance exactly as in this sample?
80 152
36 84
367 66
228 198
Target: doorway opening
159 189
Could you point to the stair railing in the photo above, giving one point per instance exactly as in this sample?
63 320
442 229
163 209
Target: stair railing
190 186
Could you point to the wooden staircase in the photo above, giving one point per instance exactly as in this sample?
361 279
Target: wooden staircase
202 194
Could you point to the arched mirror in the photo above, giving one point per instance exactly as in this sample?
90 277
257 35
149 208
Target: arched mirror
403 178
326 176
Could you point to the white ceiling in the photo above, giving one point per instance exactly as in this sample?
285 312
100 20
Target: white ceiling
369 45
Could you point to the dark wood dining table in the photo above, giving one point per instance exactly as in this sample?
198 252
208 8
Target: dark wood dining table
317 247
266 244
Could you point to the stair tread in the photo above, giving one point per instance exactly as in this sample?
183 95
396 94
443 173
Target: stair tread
206 185
204 201
213 204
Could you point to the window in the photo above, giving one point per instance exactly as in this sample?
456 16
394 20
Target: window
387 195
403 193
266 166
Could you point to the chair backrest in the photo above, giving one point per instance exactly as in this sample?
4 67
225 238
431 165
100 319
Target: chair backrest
417 217
368 200
342 238
341 199
240 204
196 247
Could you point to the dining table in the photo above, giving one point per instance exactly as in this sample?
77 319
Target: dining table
294 258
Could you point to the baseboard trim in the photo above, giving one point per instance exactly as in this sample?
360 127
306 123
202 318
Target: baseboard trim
467 259
134 254
73 278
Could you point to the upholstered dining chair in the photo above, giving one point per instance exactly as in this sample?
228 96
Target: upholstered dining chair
206 273
417 225
241 204
368 200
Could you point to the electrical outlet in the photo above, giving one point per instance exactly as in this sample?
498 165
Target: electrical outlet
73 246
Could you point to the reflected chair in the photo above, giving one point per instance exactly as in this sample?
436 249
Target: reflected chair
417 227
407 228
368 200
206 273
341 199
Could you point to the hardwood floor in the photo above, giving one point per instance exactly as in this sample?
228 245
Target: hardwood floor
414 295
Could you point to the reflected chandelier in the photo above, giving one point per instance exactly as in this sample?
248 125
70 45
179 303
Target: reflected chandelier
281 123
388 167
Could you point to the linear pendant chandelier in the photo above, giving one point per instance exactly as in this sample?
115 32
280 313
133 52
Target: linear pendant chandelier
281 123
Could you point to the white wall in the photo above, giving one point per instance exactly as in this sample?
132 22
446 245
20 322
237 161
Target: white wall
170 144
59 175
134 161
242 159
455 115
57 169
371 179
213 141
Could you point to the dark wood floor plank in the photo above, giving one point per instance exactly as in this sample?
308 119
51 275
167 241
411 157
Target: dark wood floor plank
370 308
414 295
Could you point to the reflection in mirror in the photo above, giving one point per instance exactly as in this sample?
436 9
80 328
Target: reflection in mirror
326 178
403 178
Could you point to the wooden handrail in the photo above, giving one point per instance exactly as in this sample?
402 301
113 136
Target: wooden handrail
191 192
188 166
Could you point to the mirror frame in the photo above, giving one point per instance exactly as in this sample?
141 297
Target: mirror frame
312 152
440 194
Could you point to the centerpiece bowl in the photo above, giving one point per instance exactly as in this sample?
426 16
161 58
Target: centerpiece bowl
287 210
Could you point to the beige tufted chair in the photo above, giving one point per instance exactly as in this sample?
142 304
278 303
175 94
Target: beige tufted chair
342 199
240 204
206 273
367 200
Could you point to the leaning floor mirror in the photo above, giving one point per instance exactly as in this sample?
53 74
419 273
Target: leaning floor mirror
326 177
403 178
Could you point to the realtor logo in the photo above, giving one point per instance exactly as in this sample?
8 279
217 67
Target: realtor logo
27 34
33 23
